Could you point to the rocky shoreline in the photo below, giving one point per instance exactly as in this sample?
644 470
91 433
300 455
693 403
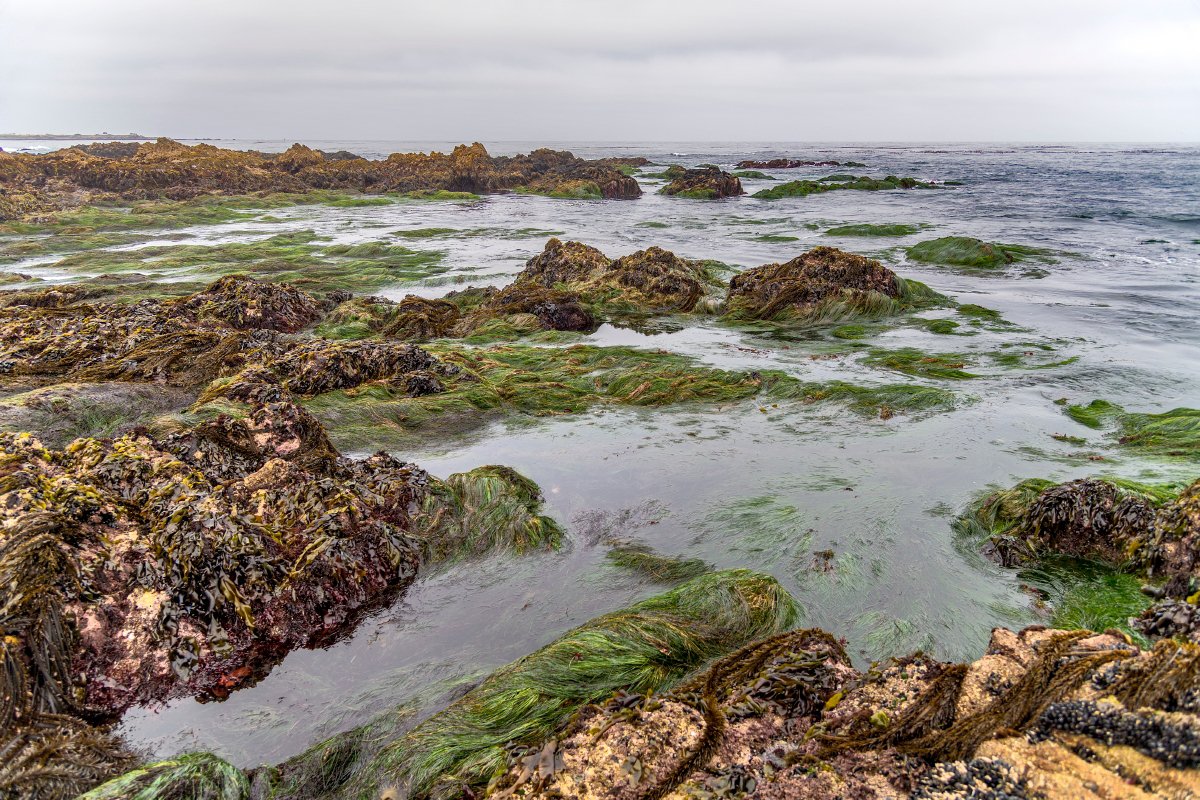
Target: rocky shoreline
183 548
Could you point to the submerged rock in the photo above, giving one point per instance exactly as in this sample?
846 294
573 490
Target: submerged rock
704 183
800 286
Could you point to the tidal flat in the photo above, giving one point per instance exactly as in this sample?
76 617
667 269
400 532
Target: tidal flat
588 400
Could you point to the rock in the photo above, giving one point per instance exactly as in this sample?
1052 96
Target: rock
790 163
788 717
648 280
704 183
168 170
419 319
555 310
823 274
247 304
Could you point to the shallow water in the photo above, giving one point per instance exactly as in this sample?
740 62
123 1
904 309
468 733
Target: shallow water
759 486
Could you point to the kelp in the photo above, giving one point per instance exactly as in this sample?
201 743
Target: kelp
648 280
1090 518
72 176
788 717
1171 434
803 188
645 648
55 757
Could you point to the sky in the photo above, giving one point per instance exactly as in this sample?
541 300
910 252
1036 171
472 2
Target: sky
605 70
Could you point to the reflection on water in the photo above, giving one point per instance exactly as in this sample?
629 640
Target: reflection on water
851 513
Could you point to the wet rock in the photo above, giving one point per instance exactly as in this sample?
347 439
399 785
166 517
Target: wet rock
910 727
799 286
791 163
704 183
166 169
564 263
1087 519
555 310
648 280
419 319
247 304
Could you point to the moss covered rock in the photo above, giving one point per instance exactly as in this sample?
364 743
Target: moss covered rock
704 183
800 287
648 280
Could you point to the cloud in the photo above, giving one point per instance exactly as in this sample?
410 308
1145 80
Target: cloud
612 70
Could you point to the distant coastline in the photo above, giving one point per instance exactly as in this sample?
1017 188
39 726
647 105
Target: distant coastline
67 137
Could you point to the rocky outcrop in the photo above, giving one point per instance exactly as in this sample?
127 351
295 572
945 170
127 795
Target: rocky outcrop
788 163
704 183
648 280
1044 714
165 169
1125 525
796 288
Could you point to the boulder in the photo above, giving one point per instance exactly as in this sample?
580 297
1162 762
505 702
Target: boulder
822 274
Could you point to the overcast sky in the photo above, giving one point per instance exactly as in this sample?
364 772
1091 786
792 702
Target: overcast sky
616 70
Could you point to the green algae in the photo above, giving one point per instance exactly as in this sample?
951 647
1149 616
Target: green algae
643 561
645 648
697 193
804 188
850 332
499 233
964 251
754 174
652 224
552 381
944 327
489 508
195 776
912 361
773 238
150 214
300 258
360 202
1172 434
1087 595
868 229
426 233
439 194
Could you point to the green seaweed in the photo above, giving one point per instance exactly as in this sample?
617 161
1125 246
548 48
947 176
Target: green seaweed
803 188
195 776
868 229
754 174
776 238
1174 433
1086 595
299 258
547 381
644 561
964 251
911 361
645 648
